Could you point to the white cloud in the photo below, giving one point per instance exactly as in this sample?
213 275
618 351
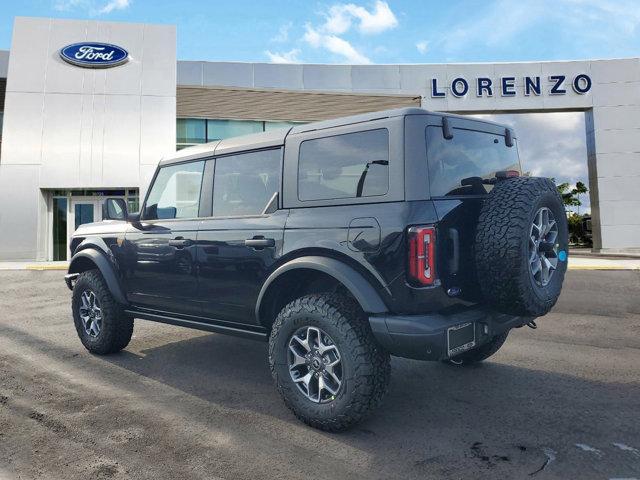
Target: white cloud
551 145
92 7
340 17
283 33
334 44
284 57
114 5
329 33
422 46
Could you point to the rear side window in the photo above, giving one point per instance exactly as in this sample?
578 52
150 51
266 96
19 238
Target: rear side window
175 193
243 184
344 166
467 163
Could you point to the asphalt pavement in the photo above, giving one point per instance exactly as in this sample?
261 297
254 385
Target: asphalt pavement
559 402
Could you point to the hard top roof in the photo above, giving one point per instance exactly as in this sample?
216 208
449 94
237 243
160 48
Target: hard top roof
274 138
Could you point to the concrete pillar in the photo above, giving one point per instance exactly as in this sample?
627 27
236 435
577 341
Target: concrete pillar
613 149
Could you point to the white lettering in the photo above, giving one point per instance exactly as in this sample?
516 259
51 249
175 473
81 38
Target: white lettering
87 52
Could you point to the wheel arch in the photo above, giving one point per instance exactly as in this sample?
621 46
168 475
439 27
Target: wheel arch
90 258
319 269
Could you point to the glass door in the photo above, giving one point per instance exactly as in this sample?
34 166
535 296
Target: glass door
71 208
84 210
59 229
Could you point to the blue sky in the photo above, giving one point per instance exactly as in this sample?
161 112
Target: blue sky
392 31
370 31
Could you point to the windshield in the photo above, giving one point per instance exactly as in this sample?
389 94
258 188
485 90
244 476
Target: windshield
467 163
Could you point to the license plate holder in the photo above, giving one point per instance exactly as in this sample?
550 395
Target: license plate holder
461 338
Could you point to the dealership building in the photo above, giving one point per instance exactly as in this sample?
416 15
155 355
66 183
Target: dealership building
88 108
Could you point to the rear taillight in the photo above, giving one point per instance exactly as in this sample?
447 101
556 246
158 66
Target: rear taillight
422 253
507 174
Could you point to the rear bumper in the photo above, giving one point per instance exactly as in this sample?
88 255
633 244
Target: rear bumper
424 337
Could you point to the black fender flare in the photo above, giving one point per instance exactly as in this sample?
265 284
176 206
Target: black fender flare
360 288
106 269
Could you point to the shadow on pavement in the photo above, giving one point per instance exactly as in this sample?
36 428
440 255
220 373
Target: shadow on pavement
487 416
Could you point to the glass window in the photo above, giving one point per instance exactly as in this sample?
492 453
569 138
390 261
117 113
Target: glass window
59 228
278 125
83 213
467 164
133 200
243 184
221 129
175 193
344 166
191 130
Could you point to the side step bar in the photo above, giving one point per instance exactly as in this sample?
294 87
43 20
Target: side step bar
210 326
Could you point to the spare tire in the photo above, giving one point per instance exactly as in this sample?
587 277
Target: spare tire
521 246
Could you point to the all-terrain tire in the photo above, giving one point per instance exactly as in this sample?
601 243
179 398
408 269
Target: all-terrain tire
481 353
366 366
502 246
116 326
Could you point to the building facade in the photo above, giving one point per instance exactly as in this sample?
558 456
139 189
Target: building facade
74 133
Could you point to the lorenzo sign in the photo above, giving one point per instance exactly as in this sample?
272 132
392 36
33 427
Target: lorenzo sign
94 55
485 87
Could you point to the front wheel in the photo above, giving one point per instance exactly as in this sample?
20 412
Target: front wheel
325 362
100 321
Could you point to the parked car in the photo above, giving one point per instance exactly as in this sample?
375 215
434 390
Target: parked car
340 242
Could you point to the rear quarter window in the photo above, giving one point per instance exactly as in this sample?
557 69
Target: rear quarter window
351 165
465 164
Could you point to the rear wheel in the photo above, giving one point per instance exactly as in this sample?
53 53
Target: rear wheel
479 354
325 362
100 321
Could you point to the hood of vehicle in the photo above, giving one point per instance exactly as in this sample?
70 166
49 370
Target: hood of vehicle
105 227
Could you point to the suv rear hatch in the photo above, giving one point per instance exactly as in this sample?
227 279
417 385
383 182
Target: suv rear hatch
465 159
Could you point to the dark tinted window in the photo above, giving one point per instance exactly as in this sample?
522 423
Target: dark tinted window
468 154
344 166
243 184
175 193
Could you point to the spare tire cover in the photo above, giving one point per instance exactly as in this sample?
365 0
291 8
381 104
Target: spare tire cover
521 246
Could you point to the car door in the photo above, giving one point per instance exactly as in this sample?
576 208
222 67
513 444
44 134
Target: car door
161 271
239 243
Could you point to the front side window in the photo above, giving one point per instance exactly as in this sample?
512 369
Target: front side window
467 163
175 193
244 184
344 166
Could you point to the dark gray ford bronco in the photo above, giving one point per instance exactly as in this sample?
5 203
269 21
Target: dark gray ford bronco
341 242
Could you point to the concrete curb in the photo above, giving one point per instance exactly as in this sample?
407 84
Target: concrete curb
46 267
599 267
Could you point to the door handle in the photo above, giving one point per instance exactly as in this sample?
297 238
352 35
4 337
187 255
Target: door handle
260 242
180 242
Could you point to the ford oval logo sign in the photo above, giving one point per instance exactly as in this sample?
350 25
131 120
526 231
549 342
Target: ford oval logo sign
94 55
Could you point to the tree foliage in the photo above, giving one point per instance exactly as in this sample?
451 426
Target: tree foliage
570 196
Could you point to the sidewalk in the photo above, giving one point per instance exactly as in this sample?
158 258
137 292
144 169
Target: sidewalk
575 263
586 263
34 266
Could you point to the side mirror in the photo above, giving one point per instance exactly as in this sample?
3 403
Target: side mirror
114 209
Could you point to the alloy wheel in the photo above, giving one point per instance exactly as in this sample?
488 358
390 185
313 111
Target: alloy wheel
315 364
90 313
543 249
